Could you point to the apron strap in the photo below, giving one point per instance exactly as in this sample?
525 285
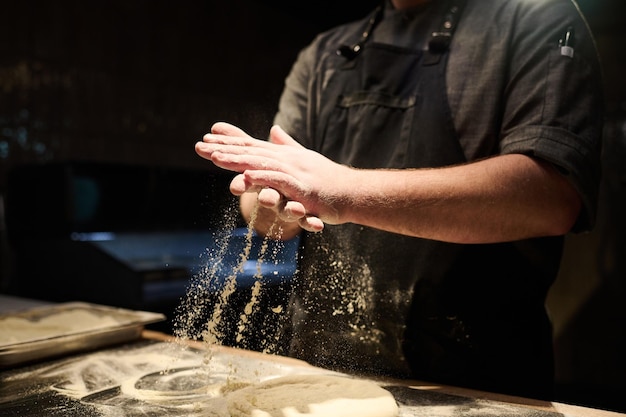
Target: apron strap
350 52
440 41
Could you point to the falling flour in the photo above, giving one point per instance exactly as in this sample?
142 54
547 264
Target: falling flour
212 309
202 312
350 292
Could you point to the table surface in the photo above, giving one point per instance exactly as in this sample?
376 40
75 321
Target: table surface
419 398
95 384
34 390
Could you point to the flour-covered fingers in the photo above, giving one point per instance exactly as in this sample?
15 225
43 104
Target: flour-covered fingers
289 211
211 138
239 185
240 163
232 151
243 142
226 129
288 188
270 198
293 210
285 184
311 224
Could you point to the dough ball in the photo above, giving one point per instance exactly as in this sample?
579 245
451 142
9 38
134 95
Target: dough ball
312 396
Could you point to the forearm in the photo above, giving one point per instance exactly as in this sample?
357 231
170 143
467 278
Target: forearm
504 198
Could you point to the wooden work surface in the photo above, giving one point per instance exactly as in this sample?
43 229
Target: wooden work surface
109 382
516 405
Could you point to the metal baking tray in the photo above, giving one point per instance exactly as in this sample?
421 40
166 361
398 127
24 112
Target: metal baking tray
122 325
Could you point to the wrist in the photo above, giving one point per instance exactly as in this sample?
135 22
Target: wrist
344 200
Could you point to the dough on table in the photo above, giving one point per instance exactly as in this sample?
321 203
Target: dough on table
312 396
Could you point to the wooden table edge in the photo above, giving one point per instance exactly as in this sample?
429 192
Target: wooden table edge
567 410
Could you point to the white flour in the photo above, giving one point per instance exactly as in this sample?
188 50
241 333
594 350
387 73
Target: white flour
19 329
158 379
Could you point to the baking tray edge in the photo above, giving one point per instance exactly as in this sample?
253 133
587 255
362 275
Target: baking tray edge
35 350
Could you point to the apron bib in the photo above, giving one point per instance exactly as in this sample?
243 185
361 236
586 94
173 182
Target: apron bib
374 301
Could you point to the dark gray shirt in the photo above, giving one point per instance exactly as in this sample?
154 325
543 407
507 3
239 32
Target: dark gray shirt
510 88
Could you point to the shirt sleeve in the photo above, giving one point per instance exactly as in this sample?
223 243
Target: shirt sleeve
294 99
553 99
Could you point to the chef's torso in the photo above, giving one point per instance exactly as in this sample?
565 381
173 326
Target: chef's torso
380 302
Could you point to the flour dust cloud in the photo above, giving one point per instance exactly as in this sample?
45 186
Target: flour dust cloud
223 302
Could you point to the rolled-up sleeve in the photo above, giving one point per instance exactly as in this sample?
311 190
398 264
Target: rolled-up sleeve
554 101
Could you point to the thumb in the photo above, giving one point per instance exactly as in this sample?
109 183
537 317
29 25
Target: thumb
280 137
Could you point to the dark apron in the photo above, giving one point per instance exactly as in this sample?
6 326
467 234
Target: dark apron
369 301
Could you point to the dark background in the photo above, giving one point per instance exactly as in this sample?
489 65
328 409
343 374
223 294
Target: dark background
135 83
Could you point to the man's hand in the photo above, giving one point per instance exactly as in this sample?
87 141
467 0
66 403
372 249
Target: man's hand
291 180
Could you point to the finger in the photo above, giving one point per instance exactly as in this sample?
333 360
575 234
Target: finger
270 198
239 185
289 211
223 154
311 224
240 162
294 210
233 140
280 137
284 183
226 129
204 151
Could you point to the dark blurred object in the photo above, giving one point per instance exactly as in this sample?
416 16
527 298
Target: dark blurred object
58 199
120 235
139 237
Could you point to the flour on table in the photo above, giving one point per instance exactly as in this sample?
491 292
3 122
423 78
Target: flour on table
19 329
312 396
